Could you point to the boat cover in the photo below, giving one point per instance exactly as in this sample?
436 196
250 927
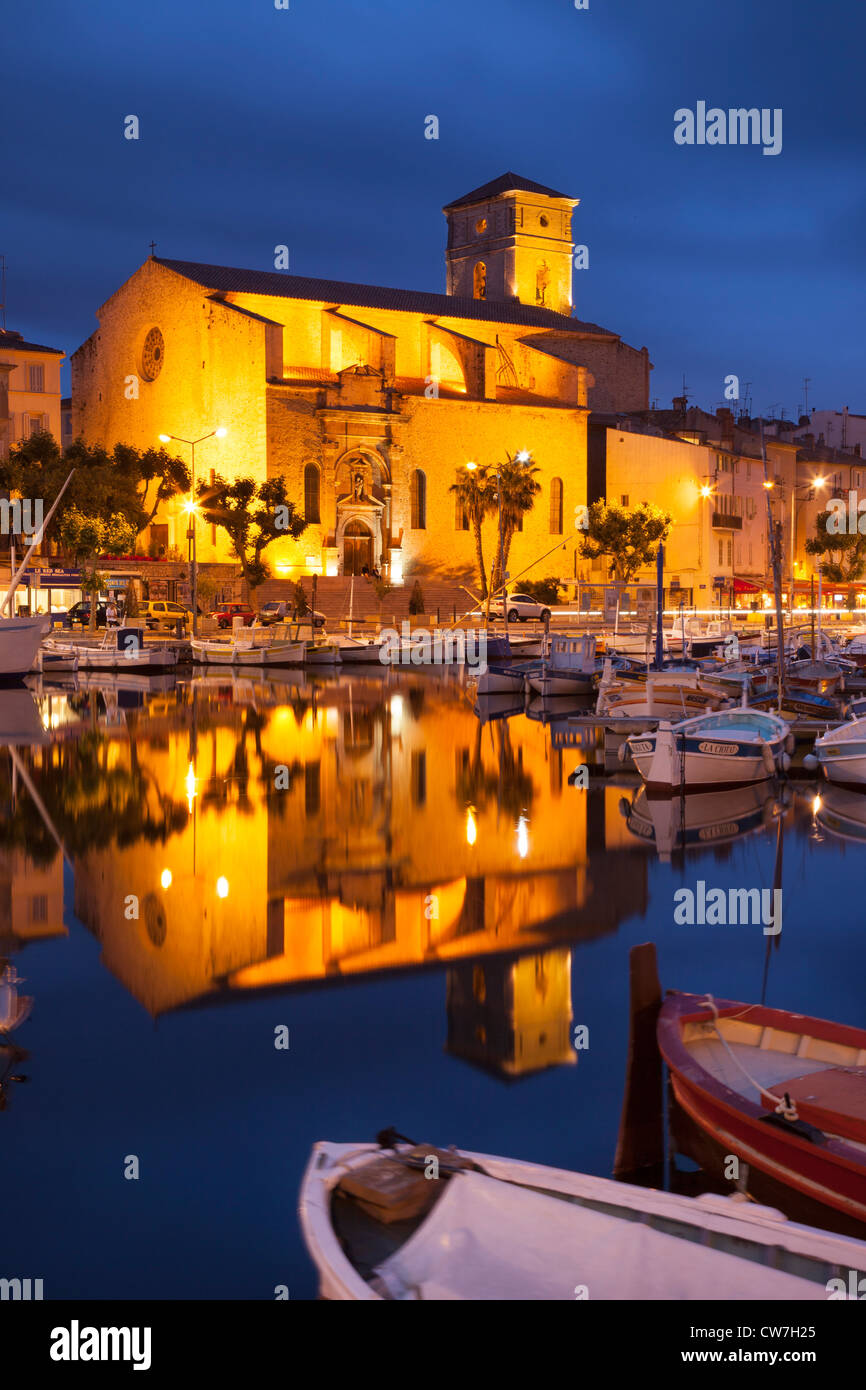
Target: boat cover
487 1239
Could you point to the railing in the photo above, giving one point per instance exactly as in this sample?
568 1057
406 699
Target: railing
723 522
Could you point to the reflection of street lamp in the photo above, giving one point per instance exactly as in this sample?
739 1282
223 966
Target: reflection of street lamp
471 827
190 510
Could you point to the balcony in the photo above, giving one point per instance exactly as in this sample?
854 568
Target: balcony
722 522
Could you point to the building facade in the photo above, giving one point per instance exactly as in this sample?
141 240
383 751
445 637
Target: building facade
369 401
32 399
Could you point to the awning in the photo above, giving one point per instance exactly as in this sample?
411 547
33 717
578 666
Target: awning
745 586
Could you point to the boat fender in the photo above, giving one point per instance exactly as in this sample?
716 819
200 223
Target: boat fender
810 762
790 743
784 762
769 761
623 751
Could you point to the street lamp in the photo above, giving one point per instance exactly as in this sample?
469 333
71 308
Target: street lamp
190 508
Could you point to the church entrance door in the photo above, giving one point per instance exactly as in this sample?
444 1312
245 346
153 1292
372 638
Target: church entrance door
357 548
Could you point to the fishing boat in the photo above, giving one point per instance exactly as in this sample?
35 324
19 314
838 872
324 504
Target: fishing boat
111 655
662 694
841 753
506 680
51 663
490 1228
260 649
699 820
568 667
322 654
725 749
814 677
359 650
783 1092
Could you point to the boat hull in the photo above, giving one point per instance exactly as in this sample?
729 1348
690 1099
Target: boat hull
20 639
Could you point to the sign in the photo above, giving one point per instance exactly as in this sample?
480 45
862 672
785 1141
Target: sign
52 578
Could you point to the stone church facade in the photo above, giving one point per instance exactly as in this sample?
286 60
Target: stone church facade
369 400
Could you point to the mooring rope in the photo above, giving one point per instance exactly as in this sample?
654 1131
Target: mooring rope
784 1105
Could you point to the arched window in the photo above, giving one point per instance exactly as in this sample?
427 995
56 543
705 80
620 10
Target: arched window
311 493
479 281
556 507
419 501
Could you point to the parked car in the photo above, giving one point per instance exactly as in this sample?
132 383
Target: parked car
80 613
162 614
227 612
520 607
279 611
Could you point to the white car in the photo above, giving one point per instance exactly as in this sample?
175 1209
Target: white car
520 607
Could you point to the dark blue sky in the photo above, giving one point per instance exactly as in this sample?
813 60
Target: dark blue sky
305 127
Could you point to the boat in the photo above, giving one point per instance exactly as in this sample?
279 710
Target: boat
662 694
359 650
506 680
841 753
52 663
568 667
110 656
725 749
699 820
799 704
20 640
783 1092
322 654
486 1228
254 650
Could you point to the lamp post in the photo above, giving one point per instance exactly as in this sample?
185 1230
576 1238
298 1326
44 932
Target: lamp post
807 497
190 509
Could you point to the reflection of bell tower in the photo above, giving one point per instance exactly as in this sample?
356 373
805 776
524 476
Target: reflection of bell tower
512 1016
511 239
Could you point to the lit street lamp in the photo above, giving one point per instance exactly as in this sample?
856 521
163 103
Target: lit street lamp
190 508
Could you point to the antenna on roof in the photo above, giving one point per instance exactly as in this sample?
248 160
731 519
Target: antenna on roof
806 381
685 389
747 399
3 291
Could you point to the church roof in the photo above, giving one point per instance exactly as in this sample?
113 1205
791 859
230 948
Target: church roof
506 183
13 342
231 280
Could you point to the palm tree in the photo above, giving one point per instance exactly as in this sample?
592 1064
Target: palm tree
474 494
518 491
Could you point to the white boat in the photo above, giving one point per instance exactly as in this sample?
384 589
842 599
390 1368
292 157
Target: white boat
107 656
726 749
841 753
842 811
661 694
568 667
20 639
498 1229
357 650
51 663
258 650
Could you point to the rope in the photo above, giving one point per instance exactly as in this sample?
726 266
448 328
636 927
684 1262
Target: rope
784 1105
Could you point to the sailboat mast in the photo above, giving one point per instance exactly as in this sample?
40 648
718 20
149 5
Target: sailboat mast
37 540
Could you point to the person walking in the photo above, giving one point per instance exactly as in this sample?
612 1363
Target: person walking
111 614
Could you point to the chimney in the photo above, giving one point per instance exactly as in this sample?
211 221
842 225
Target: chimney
680 403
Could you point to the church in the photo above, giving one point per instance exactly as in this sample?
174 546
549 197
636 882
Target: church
368 400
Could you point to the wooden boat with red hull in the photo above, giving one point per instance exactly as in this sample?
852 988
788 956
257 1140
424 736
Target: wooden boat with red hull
783 1092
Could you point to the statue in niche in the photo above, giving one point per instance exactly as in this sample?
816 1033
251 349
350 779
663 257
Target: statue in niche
358 486
542 280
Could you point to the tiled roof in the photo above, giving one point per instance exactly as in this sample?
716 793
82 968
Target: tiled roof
225 279
506 183
13 342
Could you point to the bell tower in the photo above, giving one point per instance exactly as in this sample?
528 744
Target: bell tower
511 239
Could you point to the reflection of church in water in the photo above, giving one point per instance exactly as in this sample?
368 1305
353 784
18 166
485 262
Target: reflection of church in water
405 835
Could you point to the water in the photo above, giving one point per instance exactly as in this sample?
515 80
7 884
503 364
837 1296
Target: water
419 897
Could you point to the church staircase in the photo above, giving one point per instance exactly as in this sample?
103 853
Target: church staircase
443 598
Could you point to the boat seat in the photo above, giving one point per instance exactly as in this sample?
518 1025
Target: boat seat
834 1099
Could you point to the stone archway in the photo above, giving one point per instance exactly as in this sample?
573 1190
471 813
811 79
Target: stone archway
357 547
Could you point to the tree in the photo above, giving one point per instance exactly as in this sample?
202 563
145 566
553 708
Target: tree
627 537
105 482
842 554
253 515
84 538
473 494
518 490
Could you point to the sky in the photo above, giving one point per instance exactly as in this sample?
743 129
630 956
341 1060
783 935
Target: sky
305 127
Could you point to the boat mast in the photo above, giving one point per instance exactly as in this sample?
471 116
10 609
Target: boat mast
776 559
37 540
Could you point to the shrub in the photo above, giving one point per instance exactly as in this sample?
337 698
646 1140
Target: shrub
543 590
